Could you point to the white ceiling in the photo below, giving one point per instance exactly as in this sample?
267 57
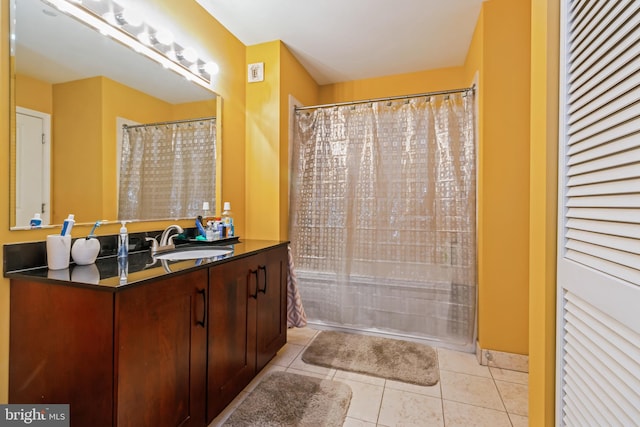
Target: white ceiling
343 40
335 40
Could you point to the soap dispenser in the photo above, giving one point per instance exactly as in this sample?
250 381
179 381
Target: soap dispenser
123 242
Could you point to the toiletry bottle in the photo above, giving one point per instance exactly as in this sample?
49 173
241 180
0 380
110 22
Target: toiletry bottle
36 221
227 220
210 234
200 227
123 242
67 225
206 213
218 228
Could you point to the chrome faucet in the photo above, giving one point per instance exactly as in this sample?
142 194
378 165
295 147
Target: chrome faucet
166 240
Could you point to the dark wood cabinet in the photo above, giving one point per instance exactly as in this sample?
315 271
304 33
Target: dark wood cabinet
168 352
61 349
272 306
232 333
161 342
247 325
132 358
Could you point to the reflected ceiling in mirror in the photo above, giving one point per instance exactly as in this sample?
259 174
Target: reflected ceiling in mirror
54 48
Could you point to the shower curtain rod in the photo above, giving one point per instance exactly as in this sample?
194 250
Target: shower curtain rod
168 123
390 98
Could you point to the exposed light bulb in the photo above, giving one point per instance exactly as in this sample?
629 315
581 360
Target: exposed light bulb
211 68
188 54
171 54
145 38
163 37
129 16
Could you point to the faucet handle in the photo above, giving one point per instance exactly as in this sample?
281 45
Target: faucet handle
154 244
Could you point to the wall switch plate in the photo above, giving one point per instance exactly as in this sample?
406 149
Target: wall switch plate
256 72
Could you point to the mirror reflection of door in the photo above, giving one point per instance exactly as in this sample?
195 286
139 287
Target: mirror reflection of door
32 166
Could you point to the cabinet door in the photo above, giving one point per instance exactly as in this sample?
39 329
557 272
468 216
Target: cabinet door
272 305
232 339
61 349
160 359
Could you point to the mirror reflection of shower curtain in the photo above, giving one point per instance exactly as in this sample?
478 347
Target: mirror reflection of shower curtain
167 170
383 217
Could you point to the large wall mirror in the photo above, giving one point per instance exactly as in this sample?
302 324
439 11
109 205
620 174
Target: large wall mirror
72 89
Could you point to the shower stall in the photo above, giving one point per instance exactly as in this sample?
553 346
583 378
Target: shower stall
383 216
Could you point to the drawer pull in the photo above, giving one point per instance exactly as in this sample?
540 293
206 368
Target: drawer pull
254 296
204 308
264 269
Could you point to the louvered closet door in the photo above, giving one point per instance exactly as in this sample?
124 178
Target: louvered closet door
598 317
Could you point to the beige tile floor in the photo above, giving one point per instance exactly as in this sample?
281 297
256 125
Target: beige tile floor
467 394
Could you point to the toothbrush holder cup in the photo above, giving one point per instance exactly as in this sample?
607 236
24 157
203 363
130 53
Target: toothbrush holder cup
85 251
58 251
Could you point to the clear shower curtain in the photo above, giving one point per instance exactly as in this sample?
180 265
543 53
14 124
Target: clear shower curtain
383 217
167 170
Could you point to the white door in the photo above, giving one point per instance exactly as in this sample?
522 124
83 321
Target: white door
32 166
598 283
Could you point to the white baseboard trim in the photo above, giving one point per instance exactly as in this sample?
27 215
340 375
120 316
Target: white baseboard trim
502 360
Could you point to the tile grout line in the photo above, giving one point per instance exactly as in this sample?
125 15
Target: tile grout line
501 398
444 419
332 376
384 389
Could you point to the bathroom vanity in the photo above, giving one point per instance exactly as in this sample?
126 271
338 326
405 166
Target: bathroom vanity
171 345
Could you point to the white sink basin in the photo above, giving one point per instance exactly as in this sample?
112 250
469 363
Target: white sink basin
190 253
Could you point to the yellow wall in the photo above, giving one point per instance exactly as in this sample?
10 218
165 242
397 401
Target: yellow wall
76 150
396 85
267 163
34 94
543 210
228 52
263 144
503 176
4 196
190 110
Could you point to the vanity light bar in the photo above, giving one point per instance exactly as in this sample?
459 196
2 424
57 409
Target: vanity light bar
118 33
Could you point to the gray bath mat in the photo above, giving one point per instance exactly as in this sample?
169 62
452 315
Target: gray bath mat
392 359
285 399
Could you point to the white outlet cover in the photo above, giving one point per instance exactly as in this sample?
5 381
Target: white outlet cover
256 72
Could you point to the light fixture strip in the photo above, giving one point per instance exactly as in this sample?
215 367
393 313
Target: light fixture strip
87 16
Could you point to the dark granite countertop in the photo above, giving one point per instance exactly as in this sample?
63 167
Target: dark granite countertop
107 274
